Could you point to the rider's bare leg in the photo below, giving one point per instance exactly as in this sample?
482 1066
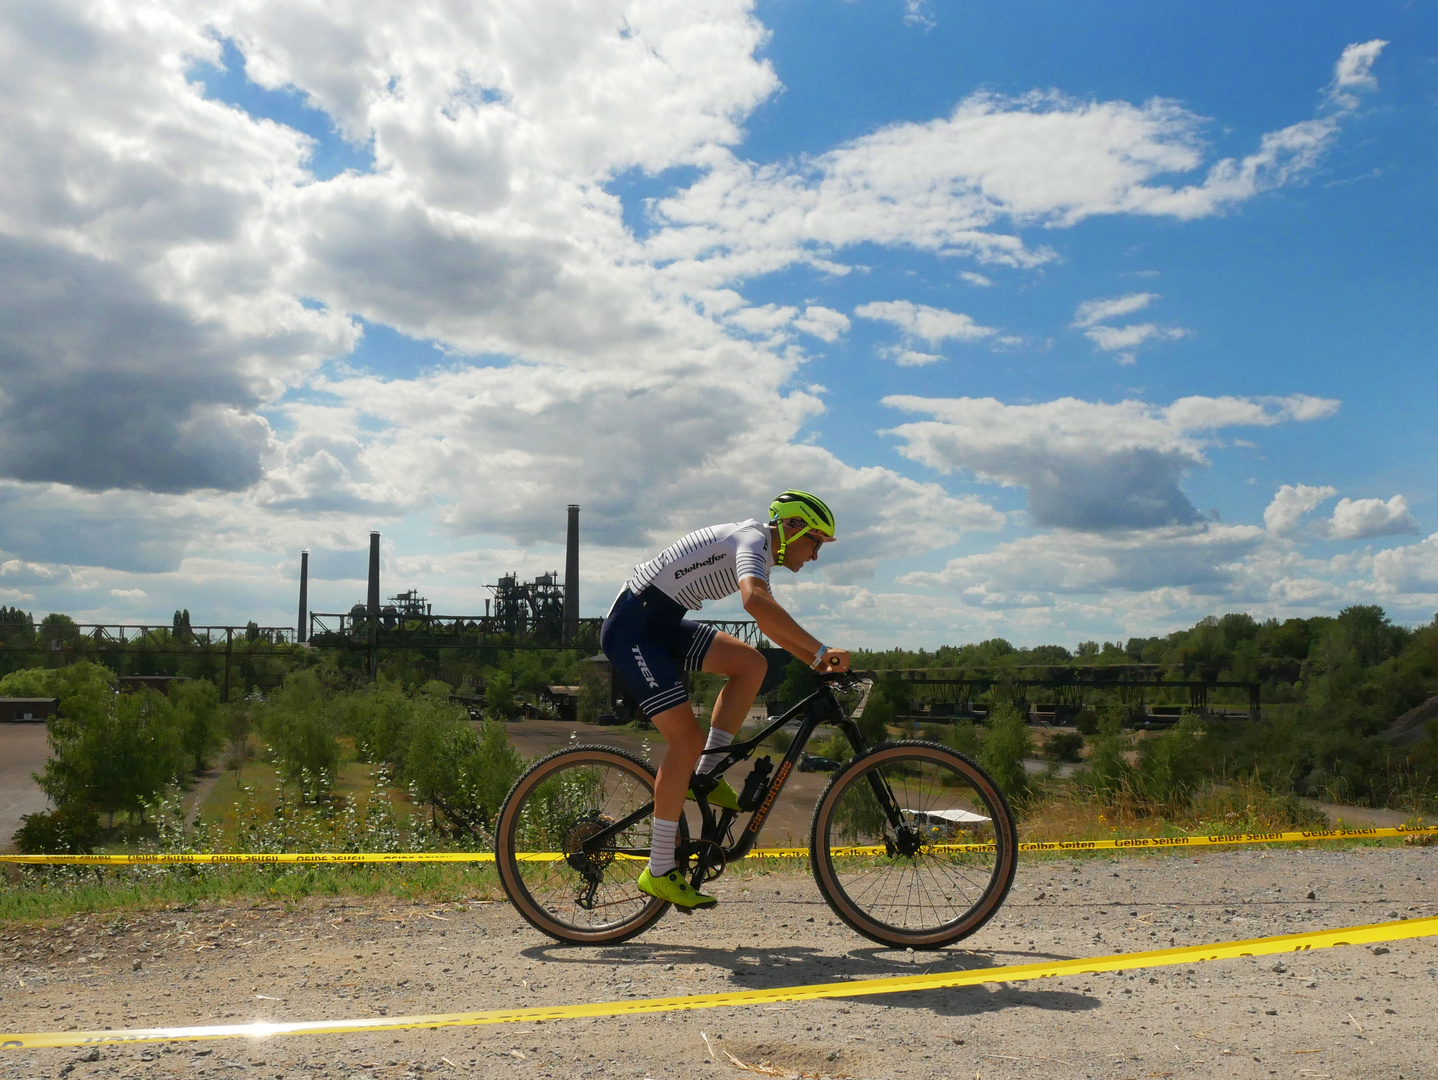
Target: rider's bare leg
685 742
746 667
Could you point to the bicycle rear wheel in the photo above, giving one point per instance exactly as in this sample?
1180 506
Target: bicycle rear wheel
586 897
941 874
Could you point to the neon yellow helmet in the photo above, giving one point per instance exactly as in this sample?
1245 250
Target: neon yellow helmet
810 509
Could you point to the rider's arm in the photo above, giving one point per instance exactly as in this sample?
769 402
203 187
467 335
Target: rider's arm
779 626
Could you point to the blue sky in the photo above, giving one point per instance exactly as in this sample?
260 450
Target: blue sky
1090 320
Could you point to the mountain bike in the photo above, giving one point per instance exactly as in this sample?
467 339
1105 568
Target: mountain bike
912 844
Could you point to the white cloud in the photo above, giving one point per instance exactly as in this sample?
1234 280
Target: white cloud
1364 519
973 278
1411 569
961 184
927 324
826 324
1032 570
1291 503
129 594
1091 312
763 320
1085 465
909 357
1112 339
1354 71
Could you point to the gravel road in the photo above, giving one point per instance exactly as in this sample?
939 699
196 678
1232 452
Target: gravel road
1343 1012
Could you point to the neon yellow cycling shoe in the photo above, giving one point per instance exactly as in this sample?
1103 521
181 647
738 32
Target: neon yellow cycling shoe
675 889
723 796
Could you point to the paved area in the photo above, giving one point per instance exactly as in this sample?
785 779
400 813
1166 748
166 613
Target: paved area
22 752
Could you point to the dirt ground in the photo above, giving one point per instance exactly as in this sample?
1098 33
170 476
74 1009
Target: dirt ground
1343 1012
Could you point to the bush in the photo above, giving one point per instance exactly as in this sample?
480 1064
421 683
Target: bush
1108 773
70 830
963 737
879 713
1004 749
1169 766
1086 722
836 748
1065 746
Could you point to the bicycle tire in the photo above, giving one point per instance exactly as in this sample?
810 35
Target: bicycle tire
548 809
933 896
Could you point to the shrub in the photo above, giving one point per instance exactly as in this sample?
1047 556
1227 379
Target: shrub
836 748
1065 746
879 713
1108 772
1004 749
1086 722
70 830
1169 766
963 737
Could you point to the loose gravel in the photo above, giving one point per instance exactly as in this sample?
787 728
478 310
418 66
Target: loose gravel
1343 1012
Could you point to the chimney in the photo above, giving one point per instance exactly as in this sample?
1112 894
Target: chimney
372 603
303 634
571 578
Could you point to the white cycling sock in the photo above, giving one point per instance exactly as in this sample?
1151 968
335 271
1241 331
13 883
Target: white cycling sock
716 742
661 850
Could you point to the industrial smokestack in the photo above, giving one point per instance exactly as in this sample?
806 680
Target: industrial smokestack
372 603
304 597
571 578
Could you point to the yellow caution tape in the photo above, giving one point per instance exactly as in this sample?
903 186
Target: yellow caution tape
1192 954
1129 844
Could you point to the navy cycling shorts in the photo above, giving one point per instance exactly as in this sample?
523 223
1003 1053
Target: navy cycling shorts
649 641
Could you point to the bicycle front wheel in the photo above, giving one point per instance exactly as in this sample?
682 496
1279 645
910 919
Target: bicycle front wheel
578 894
936 877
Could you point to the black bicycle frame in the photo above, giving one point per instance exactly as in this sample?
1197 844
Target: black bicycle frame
818 708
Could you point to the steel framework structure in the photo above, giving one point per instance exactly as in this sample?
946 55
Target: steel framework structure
351 630
127 639
1132 683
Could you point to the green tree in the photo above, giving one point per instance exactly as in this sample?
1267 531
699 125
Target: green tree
463 776
1004 749
116 761
200 718
301 727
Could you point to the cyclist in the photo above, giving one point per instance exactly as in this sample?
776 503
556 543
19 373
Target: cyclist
647 638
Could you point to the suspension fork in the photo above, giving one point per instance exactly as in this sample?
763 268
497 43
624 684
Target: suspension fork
877 783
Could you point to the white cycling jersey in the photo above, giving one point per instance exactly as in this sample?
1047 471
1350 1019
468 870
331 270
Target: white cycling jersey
708 564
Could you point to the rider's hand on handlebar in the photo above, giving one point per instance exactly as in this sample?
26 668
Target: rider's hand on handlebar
834 662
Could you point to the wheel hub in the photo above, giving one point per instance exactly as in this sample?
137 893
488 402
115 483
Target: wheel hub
906 842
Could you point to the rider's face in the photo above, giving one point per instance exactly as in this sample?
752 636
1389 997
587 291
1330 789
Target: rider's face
803 550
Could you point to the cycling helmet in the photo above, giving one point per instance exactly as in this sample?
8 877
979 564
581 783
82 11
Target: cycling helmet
810 509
